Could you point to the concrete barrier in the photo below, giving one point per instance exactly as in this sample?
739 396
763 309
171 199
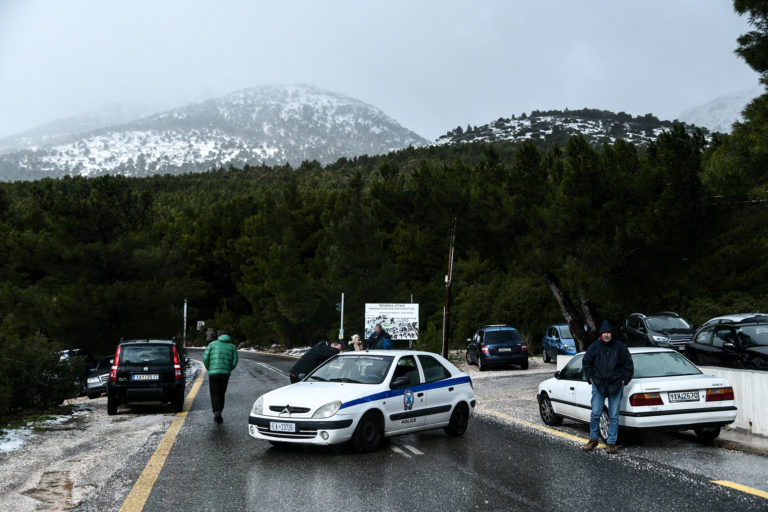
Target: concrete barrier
750 388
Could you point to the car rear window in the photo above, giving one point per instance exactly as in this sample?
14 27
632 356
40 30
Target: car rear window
146 354
662 364
502 336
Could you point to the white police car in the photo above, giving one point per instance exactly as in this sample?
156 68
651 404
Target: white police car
364 397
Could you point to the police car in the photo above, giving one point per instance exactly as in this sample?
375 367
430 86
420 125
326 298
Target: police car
364 397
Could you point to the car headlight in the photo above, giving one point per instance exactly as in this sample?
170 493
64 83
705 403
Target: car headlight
327 410
567 347
661 339
93 380
258 406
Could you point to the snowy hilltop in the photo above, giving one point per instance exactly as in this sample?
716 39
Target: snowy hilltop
719 114
556 126
263 125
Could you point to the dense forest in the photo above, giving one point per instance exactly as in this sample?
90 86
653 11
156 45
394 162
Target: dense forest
542 234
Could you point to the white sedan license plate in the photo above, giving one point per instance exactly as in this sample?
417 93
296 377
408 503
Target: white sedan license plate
684 396
145 376
276 426
505 349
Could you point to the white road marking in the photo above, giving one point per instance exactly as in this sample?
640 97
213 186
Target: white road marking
265 365
399 450
413 449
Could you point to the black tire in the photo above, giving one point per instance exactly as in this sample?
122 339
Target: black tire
546 357
111 406
459 420
178 402
481 365
524 366
547 412
707 433
469 359
369 433
94 395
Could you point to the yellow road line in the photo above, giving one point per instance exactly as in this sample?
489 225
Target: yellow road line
564 435
742 488
136 499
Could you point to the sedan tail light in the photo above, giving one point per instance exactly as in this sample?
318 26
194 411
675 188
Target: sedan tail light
113 370
523 348
485 349
176 365
719 394
640 399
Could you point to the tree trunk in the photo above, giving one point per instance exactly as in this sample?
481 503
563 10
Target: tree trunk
570 312
590 317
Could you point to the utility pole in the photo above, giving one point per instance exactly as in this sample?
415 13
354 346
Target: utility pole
448 280
341 310
184 331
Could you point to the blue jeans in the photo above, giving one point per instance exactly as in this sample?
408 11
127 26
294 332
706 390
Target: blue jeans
614 403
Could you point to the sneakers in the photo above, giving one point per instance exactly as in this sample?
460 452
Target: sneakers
610 448
591 444
217 417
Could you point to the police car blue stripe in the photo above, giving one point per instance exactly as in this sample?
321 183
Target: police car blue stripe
398 392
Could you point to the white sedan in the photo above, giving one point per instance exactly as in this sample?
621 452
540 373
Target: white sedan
667 392
364 397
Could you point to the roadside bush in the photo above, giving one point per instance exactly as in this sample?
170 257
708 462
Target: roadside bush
32 378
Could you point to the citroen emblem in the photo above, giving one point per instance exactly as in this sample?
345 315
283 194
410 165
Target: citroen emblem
287 410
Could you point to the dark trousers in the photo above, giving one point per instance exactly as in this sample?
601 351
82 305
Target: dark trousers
218 387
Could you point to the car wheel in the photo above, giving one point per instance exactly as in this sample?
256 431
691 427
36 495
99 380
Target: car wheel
178 402
459 420
111 406
481 365
605 422
469 359
707 433
369 433
547 412
94 395
546 357
524 366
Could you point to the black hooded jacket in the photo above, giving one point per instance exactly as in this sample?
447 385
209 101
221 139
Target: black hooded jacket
608 365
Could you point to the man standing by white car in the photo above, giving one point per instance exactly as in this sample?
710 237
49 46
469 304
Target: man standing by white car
607 365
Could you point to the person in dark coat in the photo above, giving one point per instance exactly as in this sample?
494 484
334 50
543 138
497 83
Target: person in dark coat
607 365
377 338
314 357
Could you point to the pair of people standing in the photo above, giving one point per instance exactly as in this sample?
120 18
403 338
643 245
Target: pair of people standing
220 358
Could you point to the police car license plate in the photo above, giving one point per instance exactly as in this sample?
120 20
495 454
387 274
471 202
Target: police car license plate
684 396
276 426
145 376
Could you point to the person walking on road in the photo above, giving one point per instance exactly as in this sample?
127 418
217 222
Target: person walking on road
377 338
220 358
313 358
608 366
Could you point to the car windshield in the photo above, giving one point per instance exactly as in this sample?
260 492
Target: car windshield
665 323
662 364
362 369
565 332
502 336
146 354
754 335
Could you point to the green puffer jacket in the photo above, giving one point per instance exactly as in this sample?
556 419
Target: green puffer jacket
220 357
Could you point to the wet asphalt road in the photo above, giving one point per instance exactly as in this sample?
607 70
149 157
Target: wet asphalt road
493 466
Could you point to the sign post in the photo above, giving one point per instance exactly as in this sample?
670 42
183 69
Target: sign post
341 310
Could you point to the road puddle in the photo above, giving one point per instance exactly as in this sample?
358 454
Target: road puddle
54 491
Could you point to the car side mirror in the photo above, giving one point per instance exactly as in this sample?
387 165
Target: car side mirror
729 346
558 375
301 376
400 382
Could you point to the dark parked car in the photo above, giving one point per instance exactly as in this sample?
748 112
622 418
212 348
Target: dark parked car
557 340
145 371
80 364
737 345
497 345
97 380
666 329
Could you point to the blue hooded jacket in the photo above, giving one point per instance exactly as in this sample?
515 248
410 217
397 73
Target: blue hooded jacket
608 365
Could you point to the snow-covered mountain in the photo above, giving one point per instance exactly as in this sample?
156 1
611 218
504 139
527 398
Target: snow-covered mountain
268 124
719 114
556 126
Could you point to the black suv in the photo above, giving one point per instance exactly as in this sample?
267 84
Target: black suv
145 371
741 344
497 345
665 329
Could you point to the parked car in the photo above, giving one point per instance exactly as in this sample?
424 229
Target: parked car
495 345
364 397
666 329
97 380
145 371
80 363
742 344
557 340
667 392
736 317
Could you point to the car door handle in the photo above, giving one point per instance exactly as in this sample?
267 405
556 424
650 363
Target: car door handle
419 394
572 388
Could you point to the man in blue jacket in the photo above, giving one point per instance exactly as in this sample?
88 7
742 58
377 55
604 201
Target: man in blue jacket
607 365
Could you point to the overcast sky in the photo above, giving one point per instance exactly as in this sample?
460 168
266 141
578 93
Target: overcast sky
432 65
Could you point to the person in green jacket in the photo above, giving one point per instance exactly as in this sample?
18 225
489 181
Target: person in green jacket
220 358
